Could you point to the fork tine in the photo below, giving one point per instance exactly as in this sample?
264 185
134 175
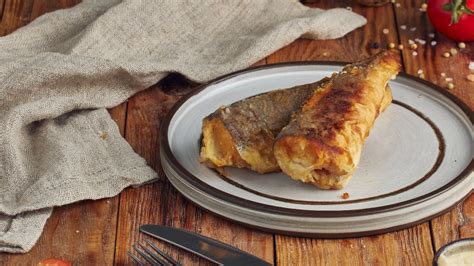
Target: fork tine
135 258
153 255
145 256
166 256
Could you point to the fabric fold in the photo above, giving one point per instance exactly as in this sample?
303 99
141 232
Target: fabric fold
58 144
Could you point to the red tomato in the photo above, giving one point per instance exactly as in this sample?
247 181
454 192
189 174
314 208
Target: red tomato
54 262
453 18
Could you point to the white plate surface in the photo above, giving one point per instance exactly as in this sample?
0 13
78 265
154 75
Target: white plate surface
419 149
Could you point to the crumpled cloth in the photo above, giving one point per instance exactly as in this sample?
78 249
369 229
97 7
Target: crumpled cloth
58 144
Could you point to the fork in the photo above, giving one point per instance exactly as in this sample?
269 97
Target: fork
155 259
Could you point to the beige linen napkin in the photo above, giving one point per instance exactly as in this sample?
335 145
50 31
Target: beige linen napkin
59 73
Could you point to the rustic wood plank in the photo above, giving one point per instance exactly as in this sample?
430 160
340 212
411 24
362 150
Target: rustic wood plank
409 246
459 222
84 232
2 2
160 203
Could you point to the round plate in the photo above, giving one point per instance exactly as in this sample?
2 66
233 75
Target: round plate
416 163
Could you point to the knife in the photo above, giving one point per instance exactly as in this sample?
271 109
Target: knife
202 246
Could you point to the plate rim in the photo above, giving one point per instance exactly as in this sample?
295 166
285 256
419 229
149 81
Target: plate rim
184 173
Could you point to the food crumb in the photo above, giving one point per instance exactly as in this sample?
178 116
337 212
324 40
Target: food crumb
349 8
400 46
77 231
443 74
403 27
423 7
446 54
391 45
450 86
470 77
433 43
461 45
448 79
471 65
453 51
414 53
410 42
413 46
397 5
103 135
385 31
413 29
345 195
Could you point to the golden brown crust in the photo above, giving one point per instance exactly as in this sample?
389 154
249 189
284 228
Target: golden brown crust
322 143
242 134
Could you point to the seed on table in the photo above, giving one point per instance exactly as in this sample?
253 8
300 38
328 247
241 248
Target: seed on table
400 46
413 29
433 43
423 7
397 5
453 51
421 75
446 54
385 31
448 79
461 45
410 41
414 53
419 71
391 45
470 77
443 74
413 46
450 86
403 27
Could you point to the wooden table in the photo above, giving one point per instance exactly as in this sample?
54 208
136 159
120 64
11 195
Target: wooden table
100 232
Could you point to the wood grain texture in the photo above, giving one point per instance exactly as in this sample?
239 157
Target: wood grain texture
405 247
459 222
2 2
160 203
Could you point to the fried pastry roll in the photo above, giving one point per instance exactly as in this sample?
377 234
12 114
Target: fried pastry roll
323 141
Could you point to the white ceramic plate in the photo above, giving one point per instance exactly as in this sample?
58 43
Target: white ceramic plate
416 163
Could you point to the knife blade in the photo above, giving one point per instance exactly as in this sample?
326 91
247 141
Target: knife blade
202 246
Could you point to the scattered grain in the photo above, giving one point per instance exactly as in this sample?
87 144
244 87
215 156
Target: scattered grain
398 5
433 43
423 7
446 54
103 135
385 31
400 46
391 45
470 77
403 27
453 51
450 86
410 41
443 74
420 41
419 71
413 29
461 45
421 75
448 79
413 46
414 53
